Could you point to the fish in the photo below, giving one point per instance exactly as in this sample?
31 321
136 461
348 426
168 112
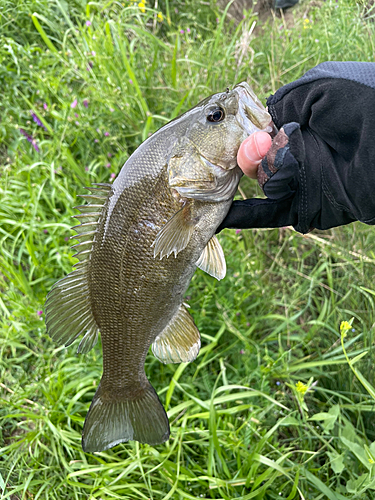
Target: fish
140 241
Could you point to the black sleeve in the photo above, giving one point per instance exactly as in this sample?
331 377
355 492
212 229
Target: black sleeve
324 174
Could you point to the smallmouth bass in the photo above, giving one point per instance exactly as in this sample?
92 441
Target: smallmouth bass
141 240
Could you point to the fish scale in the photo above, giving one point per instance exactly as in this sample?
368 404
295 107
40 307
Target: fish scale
140 242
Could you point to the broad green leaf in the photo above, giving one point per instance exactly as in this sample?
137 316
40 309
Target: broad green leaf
337 462
359 452
329 418
356 485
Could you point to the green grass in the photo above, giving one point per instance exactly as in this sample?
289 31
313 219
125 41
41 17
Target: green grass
242 427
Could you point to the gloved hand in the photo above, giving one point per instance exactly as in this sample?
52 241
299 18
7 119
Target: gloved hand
320 169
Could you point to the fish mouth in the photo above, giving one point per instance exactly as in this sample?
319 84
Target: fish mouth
252 115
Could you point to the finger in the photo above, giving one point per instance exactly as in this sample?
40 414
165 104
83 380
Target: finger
251 152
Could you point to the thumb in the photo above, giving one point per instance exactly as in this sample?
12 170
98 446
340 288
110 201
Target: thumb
251 152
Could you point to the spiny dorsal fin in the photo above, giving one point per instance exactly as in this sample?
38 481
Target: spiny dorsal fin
212 260
68 307
180 341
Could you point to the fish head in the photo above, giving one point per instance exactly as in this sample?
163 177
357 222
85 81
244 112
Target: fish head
204 163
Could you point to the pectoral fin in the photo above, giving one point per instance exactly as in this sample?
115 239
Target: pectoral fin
180 341
175 235
212 259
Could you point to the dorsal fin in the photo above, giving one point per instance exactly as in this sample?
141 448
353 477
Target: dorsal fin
68 307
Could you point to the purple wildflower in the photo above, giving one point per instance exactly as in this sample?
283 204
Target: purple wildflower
37 120
109 155
66 238
217 20
77 123
187 30
242 351
182 32
86 169
86 103
238 231
93 53
106 134
45 231
113 176
96 140
45 107
74 104
247 324
108 165
130 81
76 115
277 382
88 23
31 140
39 313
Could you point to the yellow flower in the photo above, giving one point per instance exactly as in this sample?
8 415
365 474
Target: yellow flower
160 17
301 388
142 7
345 326
306 24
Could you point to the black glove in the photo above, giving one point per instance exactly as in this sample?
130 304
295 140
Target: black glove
320 170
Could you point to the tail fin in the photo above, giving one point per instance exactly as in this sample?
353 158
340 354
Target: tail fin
111 421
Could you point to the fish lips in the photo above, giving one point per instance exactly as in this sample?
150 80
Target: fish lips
252 115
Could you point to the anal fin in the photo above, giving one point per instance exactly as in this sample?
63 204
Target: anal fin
180 341
212 260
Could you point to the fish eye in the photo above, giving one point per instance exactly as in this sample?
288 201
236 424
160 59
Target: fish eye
216 115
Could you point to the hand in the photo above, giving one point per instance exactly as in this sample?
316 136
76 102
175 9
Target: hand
319 171
276 169
270 161
252 151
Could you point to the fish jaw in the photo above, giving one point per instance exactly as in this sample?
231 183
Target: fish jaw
252 115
